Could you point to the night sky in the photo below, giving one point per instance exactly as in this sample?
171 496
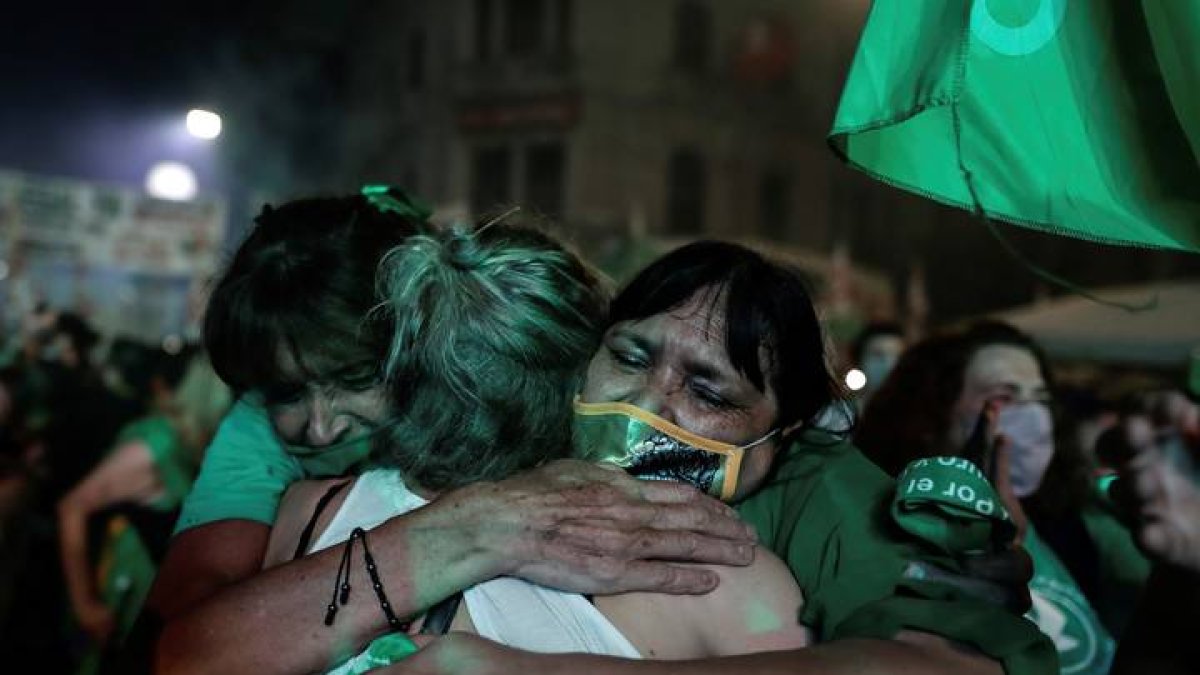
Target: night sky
85 84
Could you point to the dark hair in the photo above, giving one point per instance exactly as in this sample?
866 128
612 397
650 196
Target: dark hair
15 432
909 416
870 332
170 367
81 334
493 330
134 362
767 306
304 281
13 379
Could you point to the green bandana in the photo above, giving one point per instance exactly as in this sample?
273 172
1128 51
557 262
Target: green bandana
383 651
948 502
394 200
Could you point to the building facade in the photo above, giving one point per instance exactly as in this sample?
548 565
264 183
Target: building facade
671 118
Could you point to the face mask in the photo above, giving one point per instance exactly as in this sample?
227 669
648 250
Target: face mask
652 448
876 368
1029 431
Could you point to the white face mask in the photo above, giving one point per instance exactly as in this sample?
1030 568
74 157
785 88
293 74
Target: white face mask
1029 430
876 367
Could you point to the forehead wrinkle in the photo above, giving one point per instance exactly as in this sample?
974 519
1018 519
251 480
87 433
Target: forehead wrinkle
705 355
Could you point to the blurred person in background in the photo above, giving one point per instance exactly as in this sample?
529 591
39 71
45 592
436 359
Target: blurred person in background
132 496
32 600
875 352
1087 571
1162 504
1176 421
82 414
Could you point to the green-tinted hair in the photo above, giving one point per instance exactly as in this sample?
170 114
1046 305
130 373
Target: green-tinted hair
493 329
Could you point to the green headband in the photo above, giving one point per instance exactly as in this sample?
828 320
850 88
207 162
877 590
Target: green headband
393 199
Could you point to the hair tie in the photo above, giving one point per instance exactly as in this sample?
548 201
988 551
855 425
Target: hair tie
394 200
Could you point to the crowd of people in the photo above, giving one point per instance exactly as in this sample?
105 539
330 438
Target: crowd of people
101 438
461 449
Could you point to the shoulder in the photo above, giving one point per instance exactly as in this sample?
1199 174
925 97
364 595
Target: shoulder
754 608
767 579
828 460
244 471
818 482
247 423
296 509
245 438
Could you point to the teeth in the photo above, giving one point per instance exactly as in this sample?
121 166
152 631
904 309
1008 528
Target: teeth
661 458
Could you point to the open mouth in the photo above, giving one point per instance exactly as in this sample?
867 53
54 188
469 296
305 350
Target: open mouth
663 458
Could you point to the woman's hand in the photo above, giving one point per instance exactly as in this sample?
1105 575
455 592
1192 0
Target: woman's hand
1005 573
1161 501
583 528
96 619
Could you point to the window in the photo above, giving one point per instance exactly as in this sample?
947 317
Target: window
685 193
483 29
545 165
524 26
563 26
773 204
491 170
693 36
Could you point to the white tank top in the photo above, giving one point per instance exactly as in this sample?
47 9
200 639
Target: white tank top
511 611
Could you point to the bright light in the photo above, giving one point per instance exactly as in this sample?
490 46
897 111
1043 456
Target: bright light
204 124
856 379
171 180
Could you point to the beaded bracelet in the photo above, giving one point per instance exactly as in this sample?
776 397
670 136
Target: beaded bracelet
341 584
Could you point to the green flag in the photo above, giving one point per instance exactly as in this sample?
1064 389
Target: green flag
1079 117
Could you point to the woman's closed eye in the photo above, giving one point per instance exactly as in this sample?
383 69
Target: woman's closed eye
710 397
627 358
282 395
362 380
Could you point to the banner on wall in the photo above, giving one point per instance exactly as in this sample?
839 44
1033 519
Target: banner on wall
130 262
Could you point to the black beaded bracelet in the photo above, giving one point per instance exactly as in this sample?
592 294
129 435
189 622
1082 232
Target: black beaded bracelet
341 584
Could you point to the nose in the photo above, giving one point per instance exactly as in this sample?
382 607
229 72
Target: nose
325 425
654 396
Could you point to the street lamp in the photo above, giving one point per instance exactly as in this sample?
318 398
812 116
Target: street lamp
856 379
171 180
204 124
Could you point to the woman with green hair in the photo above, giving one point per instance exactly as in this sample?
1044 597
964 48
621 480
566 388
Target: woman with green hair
709 369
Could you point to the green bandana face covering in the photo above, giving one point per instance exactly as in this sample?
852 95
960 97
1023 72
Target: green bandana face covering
949 503
652 448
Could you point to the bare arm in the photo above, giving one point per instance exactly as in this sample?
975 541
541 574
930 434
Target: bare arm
910 652
570 525
126 475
